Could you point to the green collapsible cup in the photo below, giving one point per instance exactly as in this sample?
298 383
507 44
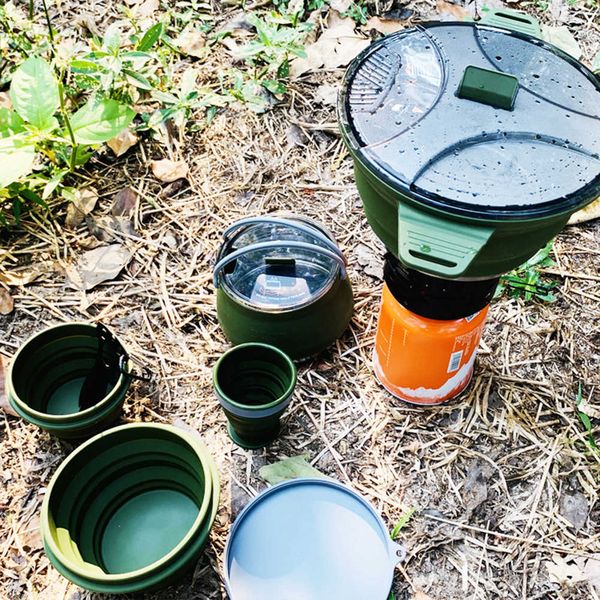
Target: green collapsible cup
48 372
254 384
131 509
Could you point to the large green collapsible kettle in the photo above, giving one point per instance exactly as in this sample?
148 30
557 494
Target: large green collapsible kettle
473 143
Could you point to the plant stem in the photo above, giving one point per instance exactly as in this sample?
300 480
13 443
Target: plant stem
48 22
63 110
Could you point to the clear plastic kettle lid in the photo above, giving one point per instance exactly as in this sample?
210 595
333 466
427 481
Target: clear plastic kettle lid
274 263
476 120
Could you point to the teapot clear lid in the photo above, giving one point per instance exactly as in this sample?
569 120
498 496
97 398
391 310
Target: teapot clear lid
281 263
475 120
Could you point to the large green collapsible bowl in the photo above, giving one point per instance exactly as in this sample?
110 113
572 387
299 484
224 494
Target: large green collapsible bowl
473 143
131 509
46 376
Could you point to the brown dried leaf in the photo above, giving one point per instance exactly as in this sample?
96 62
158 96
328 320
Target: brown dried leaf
122 142
84 203
4 403
30 537
385 26
7 303
5 100
421 595
124 203
590 212
98 265
169 170
327 95
562 38
192 42
451 12
26 275
146 8
336 47
565 571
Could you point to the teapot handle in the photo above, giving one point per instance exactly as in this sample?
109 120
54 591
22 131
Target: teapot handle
336 256
310 230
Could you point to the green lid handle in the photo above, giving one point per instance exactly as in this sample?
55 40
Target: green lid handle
438 246
489 87
515 20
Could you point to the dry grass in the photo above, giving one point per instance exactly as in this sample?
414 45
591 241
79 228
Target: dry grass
489 474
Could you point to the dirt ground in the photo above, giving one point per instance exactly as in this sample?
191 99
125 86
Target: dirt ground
503 480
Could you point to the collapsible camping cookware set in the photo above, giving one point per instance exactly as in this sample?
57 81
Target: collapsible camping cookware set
472 144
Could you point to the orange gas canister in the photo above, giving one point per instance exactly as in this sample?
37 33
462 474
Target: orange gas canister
421 360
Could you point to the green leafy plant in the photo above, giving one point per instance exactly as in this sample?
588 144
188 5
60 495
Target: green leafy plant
40 130
525 281
179 104
115 72
358 12
278 39
402 522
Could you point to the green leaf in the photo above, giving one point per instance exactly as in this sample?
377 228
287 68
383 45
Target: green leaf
274 86
150 37
34 92
10 122
404 519
100 120
288 468
596 63
85 66
137 80
16 159
112 38
53 183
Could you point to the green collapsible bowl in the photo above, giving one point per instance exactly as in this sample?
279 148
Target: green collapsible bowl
131 509
46 376
282 281
473 143
254 384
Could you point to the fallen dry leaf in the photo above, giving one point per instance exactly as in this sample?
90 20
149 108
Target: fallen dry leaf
146 9
192 42
592 570
5 100
590 212
567 570
327 95
96 266
122 142
336 47
4 403
562 38
371 264
84 203
169 170
28 274
124 203
446 11
574 507
385 26
6 302
420 595
31 537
